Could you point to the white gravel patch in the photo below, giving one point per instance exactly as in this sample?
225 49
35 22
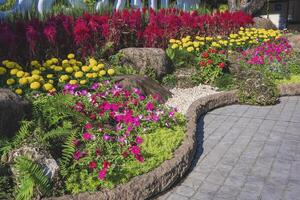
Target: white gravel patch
183 98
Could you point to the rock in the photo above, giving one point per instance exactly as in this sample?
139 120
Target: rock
294 40
234 66
145 84
43 158
12 109
152 62
183 77
260 22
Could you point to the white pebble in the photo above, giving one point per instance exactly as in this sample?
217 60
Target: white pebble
183 98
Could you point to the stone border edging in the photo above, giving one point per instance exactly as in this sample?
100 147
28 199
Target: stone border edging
164 176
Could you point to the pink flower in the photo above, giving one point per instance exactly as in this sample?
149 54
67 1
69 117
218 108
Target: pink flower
106 137
139 158
138 140
88 126
149 106
77 155
102 174
135 150
87 136
92 165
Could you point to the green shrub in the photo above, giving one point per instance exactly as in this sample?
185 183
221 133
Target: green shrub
257 87
225 82
169 81
7 5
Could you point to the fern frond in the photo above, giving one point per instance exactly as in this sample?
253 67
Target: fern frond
67 153
30 177
22 134
59 132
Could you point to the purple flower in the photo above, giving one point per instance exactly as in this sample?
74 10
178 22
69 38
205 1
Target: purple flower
95 86
106 137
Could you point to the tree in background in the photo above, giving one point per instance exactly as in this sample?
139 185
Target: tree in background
248 6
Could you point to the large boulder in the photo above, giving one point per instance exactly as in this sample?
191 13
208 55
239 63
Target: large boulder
12 109
145 84
260 22
152 62
43 158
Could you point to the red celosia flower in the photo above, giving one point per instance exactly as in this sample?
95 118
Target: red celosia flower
202 63
106 164
50 33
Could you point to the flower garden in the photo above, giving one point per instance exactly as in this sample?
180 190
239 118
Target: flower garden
94 132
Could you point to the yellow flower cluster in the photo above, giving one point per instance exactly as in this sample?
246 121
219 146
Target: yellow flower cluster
244 38
52 74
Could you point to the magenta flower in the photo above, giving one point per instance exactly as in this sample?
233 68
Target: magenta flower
77 155
87 136
102 174
135 150
138 140
150 106
140 158
92 165
106 137
88 126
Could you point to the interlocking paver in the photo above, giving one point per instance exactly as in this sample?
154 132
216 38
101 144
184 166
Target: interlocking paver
245 153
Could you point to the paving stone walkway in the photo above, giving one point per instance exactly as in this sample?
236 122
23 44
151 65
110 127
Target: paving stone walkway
245 153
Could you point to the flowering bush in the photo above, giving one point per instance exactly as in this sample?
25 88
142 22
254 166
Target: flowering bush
272 56
51 75
245 38
24 40
211 65
112 138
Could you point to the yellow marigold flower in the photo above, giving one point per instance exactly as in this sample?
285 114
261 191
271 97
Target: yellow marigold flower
71 56
196 44
48 86
50 81
49 76
172 41
30 79
2 70
35 85
219 37
4 62
174 46
36 77
78 74
69 70
92 62
208 38
13 71
111 72
20 74
242 28
23 81
83 82
190 49
72 61
89 75
19 91
85 68
49 62
10 81
65 62
102 73
101 65
34 63
76 68
63 78
73 82
37 72
95 75
57 68
96 68
10 65
54 60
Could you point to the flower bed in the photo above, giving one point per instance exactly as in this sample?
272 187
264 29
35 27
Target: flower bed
89 34
100 136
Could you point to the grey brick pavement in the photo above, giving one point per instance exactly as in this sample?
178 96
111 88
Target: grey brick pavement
245 153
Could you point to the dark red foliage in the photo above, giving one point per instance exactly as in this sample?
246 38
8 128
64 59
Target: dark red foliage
61 34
